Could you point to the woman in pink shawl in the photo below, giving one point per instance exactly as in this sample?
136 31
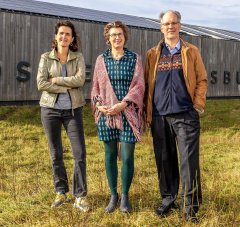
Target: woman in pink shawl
117 101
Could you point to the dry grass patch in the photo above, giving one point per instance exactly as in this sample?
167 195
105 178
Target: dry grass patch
26 189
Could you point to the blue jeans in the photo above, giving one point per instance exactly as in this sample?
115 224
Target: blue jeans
52 120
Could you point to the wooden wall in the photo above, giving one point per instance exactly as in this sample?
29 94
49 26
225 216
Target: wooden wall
25 37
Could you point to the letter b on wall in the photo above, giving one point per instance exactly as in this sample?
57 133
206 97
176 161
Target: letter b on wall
227 77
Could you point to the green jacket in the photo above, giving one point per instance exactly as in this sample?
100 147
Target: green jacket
195 76
49 67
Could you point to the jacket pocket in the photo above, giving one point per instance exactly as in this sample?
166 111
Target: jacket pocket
77 97
48 99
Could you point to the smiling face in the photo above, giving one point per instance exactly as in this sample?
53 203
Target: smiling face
64 36
170 26
116 38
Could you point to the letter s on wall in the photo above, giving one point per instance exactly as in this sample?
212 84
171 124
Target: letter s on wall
24 74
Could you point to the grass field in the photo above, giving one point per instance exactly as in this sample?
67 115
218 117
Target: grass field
26 188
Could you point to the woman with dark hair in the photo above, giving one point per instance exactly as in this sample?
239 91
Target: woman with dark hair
61 76
117 101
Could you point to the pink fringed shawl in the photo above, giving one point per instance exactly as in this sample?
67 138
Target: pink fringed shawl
103 93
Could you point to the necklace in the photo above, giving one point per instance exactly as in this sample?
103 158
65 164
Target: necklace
117 56
62 59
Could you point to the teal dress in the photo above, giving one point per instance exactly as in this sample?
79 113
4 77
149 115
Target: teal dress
120 73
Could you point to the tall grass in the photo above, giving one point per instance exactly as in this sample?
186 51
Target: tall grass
26 189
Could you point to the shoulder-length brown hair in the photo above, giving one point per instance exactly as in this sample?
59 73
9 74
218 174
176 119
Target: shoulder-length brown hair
75 45
115 24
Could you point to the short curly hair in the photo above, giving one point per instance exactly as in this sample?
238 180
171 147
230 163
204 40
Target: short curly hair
115 24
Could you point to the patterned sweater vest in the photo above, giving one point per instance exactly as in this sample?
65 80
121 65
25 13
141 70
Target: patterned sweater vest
170 94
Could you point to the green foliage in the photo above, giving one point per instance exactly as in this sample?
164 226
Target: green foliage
26 189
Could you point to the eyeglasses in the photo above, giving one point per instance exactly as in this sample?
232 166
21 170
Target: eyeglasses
114 35
168 24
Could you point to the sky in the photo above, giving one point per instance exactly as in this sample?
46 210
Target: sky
223 14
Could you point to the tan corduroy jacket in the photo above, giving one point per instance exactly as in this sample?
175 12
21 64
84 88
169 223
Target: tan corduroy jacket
194 74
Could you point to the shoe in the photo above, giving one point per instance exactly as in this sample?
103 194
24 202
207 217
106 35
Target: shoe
191 217
112 204
165 209
82 204
125 206
59 200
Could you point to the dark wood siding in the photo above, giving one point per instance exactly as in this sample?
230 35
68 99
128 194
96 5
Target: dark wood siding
223 57
25 37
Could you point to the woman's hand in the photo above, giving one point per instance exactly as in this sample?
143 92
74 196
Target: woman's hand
117 108
52 80
103 109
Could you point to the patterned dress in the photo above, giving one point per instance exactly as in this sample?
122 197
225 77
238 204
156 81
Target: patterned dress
120 73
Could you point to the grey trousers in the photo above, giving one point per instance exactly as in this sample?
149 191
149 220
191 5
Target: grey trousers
180 131
52 120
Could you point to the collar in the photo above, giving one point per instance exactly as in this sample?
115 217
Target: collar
183 45
126 54
71 55
176 48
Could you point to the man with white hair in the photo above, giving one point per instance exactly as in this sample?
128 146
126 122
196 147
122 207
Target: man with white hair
175 95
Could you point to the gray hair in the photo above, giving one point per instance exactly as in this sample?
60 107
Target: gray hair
170 11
